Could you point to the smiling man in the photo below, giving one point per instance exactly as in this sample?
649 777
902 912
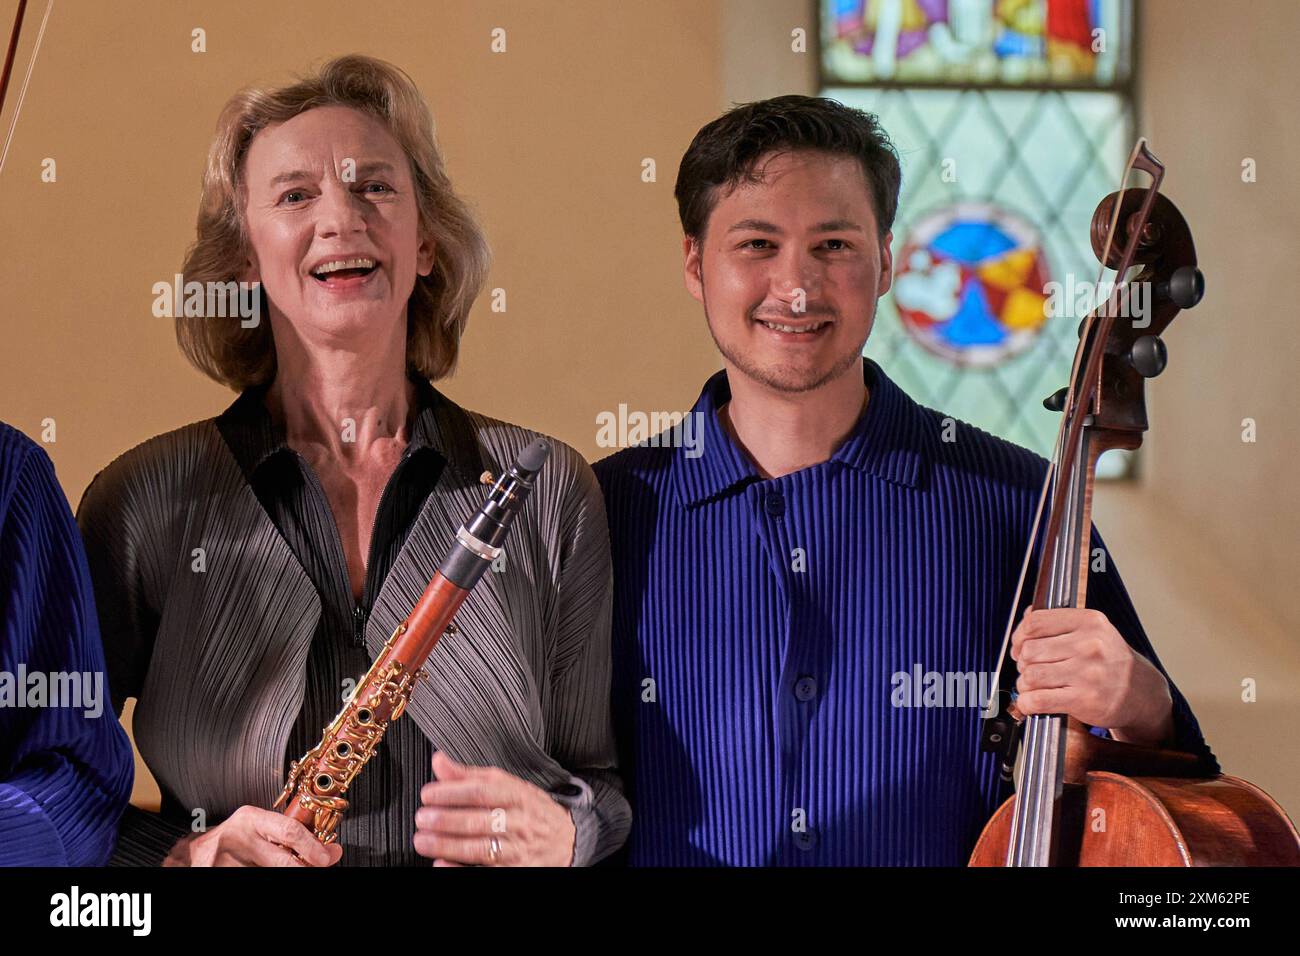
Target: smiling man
832 535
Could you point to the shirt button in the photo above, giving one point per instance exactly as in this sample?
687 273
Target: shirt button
774 502
805 688
806 841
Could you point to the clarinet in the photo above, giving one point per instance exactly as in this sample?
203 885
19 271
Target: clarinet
314 792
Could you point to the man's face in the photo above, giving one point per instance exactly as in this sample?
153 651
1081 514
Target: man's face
789 270
331 184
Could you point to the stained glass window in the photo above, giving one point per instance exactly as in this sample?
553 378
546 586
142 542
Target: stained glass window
984 42
999 188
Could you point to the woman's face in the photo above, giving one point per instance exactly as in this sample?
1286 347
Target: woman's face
333 186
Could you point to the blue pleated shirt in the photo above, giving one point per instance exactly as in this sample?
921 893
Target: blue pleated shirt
65 762
761 628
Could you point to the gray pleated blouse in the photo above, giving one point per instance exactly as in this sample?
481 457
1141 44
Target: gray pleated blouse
208 618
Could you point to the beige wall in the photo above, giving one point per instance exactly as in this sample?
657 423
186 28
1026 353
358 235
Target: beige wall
547 140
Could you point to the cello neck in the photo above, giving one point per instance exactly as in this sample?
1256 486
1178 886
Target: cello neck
1062 582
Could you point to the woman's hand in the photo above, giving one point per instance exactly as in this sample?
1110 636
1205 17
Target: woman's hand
252 836
485 816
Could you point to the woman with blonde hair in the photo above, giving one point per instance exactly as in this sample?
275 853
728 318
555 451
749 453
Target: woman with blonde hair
249 567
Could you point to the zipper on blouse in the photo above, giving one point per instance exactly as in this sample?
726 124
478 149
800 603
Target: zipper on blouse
359 626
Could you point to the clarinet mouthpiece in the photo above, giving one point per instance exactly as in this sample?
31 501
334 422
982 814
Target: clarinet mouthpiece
532 458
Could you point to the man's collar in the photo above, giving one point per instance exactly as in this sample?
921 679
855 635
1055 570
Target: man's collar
885 441
440 424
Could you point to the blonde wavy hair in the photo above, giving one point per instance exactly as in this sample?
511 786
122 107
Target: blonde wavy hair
439 306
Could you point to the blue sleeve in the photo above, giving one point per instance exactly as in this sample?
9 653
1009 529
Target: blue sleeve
66 767
1106 593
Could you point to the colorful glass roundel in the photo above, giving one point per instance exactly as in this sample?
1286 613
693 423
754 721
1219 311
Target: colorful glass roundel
969 284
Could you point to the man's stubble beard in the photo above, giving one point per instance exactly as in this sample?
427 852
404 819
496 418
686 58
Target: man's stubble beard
782 378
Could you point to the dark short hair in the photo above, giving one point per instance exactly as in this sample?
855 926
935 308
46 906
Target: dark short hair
726 152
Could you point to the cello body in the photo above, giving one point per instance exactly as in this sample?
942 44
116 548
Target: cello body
1168 818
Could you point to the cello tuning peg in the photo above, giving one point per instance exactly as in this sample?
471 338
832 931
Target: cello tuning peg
1149 356
1184 288
1056 401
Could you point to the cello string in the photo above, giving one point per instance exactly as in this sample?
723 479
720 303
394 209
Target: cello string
27 78
1028 825
1046 728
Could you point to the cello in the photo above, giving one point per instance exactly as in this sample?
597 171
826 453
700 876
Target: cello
1082 800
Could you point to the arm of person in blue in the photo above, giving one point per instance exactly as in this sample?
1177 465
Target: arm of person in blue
578 722
65 761
1107 594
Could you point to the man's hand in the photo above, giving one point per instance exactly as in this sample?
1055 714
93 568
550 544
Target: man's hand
485 816
1073 661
